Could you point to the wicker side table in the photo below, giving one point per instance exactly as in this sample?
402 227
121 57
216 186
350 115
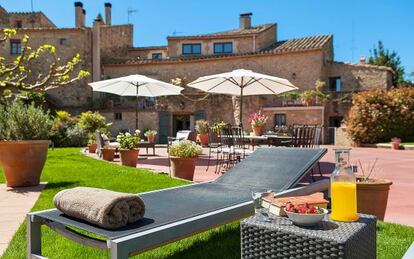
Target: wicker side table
330 239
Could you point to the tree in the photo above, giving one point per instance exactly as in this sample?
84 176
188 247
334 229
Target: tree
36 71
383 57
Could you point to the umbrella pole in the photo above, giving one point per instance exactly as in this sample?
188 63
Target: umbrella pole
241 103
136 109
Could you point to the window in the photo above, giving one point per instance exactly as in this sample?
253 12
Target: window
19 24
15 47
223 48
280 119
335 84
192 49
156 55
63 42
118 116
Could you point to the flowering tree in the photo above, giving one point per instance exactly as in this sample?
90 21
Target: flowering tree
22 75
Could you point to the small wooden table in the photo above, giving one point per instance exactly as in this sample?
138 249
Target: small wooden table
146 145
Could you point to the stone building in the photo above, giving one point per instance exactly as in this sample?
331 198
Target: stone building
108 52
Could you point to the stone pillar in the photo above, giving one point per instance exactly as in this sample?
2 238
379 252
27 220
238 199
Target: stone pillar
96 49
79 15
108 14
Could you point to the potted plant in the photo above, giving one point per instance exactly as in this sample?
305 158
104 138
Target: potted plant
258 122
395 143
308 97
150 135
92 145
108 153
128 148
372 193
24 132
183 157
202 129
92 122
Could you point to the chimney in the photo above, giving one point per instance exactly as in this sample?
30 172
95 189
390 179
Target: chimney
245 21
362 60
108 7
79 15
96 49
83 17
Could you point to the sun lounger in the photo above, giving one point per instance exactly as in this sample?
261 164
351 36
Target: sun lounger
176 213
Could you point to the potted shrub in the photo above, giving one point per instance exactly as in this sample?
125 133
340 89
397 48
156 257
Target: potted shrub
183 157
150 135
308 97
258 122
24 131
128 148
91 122
202 129
372 193
395 143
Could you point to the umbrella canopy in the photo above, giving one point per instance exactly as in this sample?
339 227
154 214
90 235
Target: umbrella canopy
243 82
136 85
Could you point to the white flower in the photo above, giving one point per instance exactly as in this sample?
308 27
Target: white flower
127 134
137 132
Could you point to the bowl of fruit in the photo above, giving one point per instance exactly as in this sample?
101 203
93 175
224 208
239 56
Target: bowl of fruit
305 214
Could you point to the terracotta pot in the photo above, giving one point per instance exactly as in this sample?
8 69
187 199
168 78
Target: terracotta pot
395 145
108 154
203 138
23 161
372 196
129 157
92 148
151 139
258 130
307 102
183 167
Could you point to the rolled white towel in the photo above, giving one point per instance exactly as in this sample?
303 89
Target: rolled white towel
101 207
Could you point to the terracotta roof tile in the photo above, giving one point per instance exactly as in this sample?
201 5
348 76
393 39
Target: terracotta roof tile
306 43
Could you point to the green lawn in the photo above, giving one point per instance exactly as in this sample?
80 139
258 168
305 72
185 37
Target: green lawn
67 168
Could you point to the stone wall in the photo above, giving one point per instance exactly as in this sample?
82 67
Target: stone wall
146 120
313 115
30 20
77 94
361 76
146 53
266 38
342 138
116 40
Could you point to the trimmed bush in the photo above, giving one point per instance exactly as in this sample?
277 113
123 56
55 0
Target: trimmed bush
379 115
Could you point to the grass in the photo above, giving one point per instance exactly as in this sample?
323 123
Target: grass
66 168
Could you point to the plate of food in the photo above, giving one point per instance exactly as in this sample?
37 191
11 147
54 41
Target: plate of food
305 214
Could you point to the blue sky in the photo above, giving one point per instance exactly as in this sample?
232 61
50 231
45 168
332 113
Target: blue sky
356 25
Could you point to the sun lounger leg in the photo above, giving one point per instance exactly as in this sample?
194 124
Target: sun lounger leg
118 251
34 238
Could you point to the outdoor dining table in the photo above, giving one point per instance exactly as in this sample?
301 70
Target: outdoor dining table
257 140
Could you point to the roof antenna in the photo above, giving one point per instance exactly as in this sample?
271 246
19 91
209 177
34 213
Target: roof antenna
175 32
130 11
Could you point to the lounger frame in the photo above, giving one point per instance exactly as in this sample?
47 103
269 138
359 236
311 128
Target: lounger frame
124 247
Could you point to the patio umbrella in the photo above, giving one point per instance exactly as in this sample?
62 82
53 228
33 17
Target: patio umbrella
136 85
243 82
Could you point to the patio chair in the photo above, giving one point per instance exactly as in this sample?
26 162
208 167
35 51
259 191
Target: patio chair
214 145
176 213
182 135
101 142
